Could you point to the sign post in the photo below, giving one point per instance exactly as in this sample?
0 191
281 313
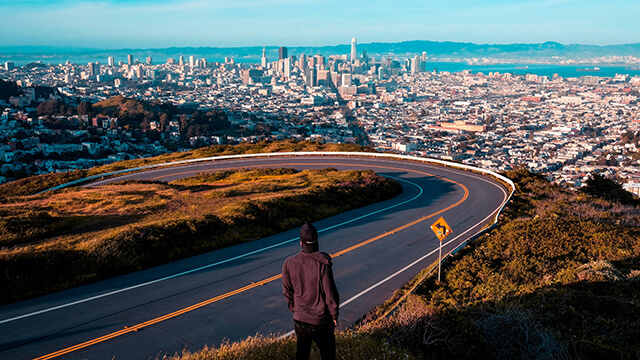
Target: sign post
442 230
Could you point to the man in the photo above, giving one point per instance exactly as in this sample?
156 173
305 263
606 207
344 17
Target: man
308 285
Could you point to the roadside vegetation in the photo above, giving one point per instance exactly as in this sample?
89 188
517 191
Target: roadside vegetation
35 184
350 346
559 278
69 237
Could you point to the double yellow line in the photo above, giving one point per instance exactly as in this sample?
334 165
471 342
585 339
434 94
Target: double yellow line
134 328
127 330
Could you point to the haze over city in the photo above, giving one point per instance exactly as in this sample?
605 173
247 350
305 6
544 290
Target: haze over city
166 23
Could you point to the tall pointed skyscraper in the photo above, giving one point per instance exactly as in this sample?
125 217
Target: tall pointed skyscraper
263 60
354 53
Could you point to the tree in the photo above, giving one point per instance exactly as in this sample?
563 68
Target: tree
8 89
262 129
164 121
49 107
85 108
600 186
203 124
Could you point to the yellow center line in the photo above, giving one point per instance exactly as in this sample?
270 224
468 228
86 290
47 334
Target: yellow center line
253 285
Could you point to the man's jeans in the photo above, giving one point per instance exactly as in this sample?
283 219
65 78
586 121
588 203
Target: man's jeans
322 335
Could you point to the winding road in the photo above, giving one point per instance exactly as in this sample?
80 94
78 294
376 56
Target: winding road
236 292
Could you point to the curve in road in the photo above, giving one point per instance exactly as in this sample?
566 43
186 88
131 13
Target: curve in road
240 274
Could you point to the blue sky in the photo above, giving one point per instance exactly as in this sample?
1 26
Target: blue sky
165 23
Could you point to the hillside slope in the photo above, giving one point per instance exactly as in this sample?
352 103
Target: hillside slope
558 279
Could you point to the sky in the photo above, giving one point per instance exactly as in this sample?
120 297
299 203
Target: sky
117 24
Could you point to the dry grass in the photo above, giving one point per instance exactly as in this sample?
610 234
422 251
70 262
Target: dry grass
72 236
349 346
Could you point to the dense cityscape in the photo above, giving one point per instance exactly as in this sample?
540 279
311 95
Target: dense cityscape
564 128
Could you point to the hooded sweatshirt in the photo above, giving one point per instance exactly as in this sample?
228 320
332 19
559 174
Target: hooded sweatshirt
308 286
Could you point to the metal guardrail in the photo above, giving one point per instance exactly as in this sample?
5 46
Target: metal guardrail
302 153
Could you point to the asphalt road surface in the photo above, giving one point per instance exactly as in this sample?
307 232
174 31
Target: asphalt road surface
236 292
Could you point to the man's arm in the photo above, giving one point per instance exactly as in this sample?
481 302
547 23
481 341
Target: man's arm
332 297
287 288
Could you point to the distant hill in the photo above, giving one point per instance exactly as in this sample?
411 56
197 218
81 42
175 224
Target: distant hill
121 106
252 53
139 114
135 113
463 50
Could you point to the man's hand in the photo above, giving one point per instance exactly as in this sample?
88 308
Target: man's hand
335 322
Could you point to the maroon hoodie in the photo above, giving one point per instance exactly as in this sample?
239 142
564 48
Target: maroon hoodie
308 285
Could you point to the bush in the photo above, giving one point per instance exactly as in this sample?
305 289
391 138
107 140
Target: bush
600 186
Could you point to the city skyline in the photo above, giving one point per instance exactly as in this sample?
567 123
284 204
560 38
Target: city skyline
166 23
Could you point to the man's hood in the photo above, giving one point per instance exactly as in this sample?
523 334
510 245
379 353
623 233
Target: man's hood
320 257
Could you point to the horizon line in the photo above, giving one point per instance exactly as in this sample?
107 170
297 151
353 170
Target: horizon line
296 46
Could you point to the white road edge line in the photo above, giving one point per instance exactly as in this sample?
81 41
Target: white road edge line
214 264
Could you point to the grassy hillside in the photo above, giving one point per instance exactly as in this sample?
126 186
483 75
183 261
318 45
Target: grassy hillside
119 104
558 279
134 112
61 239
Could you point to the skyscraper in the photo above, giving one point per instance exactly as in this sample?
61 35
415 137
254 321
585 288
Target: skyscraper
94 68
149 60
263 60
282 53
302 63
310 76
110 61
130 59
287 68
415 64
354 53
423 62
192 61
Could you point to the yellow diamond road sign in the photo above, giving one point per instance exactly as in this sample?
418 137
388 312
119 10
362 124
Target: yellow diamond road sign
441 229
